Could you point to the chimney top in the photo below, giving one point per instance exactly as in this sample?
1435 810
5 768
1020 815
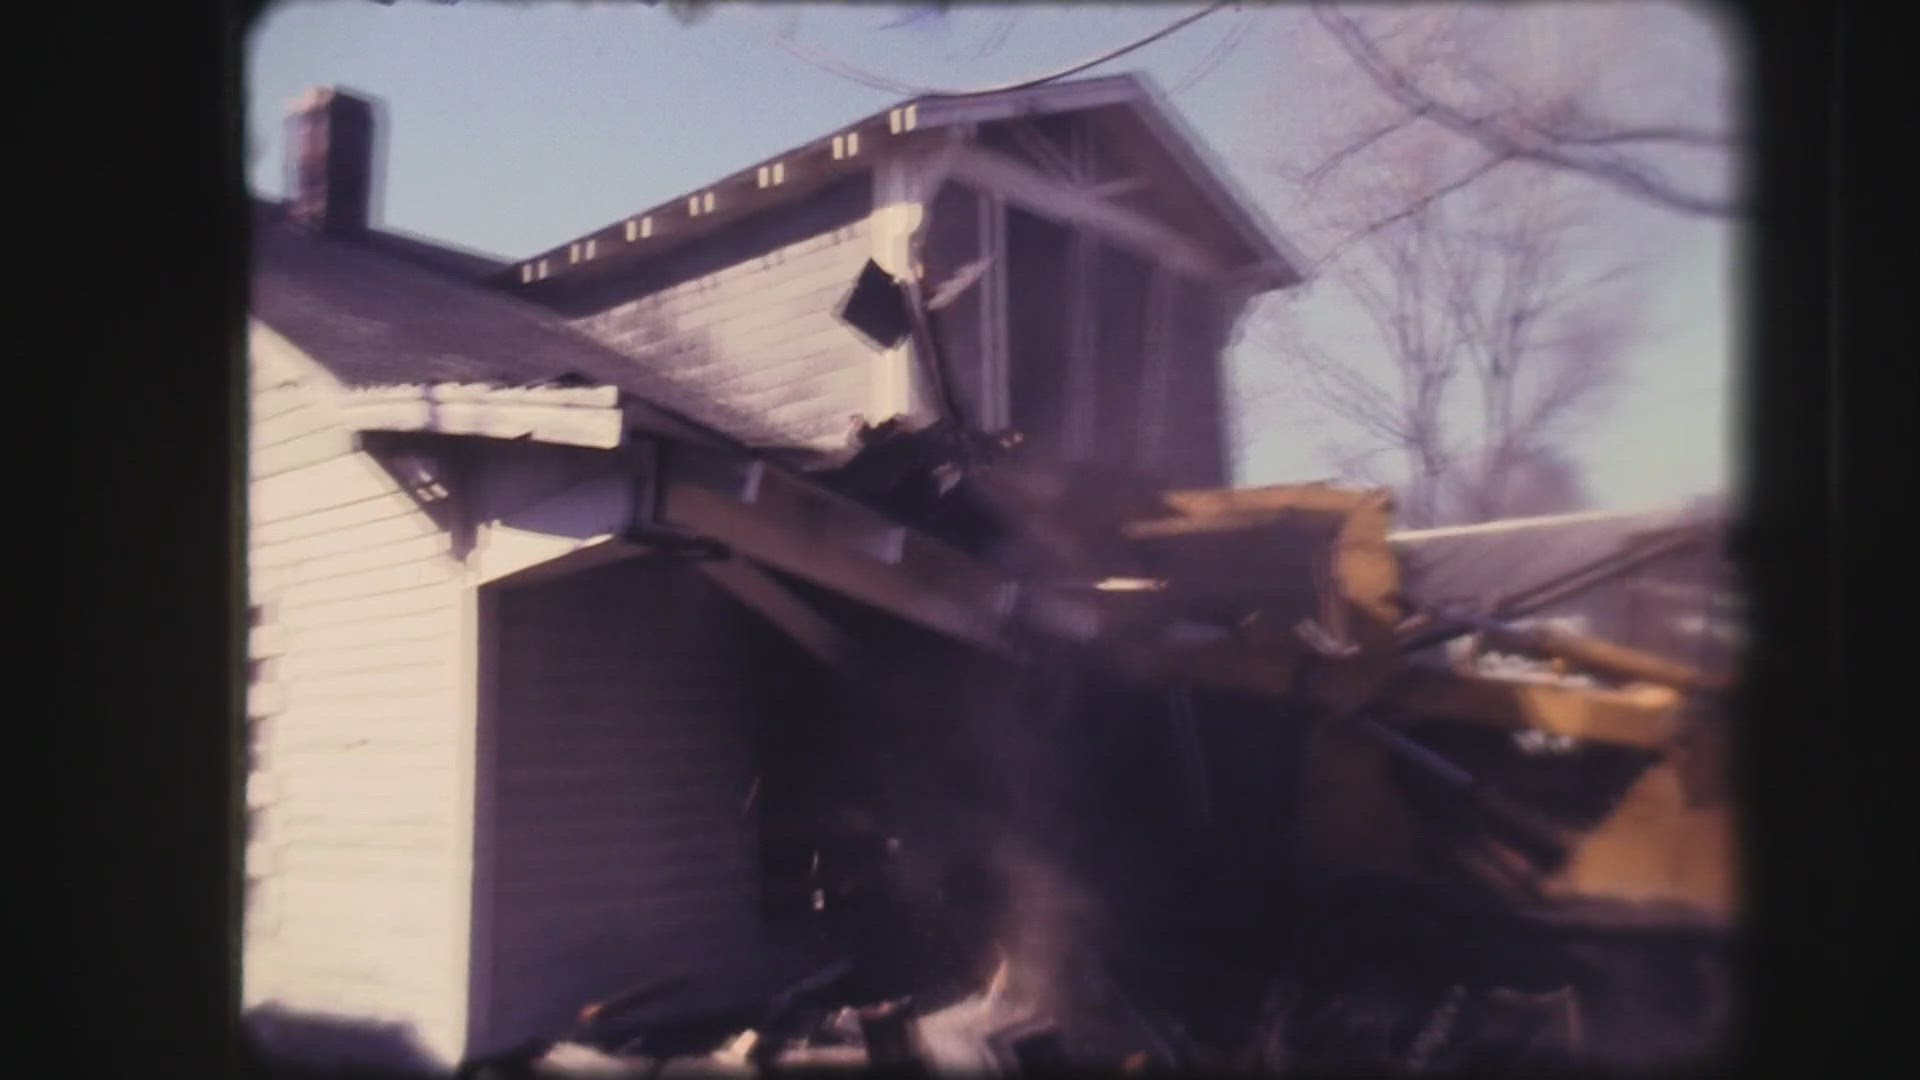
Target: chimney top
330 161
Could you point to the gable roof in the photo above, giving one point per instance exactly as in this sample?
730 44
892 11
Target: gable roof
1269 260
388 310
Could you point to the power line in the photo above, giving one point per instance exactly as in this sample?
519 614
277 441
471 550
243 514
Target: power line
881 82
1228 45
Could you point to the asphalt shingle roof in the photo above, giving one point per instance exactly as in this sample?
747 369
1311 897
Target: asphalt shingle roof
372 317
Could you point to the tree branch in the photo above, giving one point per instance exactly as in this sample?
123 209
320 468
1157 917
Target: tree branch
1545 148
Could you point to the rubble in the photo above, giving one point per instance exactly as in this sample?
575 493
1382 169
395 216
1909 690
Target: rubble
1419 721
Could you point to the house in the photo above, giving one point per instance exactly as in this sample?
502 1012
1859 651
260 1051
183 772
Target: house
546 560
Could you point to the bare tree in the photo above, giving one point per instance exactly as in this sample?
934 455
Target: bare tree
1548 482
1480 336
1524 87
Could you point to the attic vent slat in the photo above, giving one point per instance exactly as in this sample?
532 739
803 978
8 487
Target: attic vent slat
693 206
543 268
706 204
893 121
588 253
912 116
765 175
573 253
526 273
779 173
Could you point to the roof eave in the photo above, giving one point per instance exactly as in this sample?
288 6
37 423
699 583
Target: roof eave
1280 262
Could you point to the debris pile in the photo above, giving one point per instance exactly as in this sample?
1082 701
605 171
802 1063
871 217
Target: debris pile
1464 774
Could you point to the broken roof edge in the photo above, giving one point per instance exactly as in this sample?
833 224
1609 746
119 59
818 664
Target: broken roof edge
1657 519
1277 263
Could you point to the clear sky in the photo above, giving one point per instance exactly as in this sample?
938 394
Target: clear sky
512 127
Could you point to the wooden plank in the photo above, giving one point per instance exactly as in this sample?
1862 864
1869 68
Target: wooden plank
1648 717
377 765
302 642
265 642
341 688
382 507
1069 205
340 563
432 571
822 273
393 530
299 451
765 594
271 404
808 532
266 699
327 484
315 614
795 333
743 280
294 422
427 710
787 369
313 673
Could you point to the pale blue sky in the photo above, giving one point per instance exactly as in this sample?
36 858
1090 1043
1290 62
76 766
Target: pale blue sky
512 127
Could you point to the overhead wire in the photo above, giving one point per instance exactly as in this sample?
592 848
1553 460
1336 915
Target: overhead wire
881 82
1228 45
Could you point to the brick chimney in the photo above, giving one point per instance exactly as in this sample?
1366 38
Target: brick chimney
330 162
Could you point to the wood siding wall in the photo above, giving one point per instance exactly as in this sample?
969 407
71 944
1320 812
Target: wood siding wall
355 859
615 841
747 318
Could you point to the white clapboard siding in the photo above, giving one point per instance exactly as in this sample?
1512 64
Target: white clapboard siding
279 412
303 639
370 648
433 570
374 508
345 541
368 686
328 441
430 597
356 864
334 482
766 309
375 557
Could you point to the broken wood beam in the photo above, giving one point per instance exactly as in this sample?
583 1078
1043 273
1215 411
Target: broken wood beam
1595 655
1645 716
818 535
774 601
